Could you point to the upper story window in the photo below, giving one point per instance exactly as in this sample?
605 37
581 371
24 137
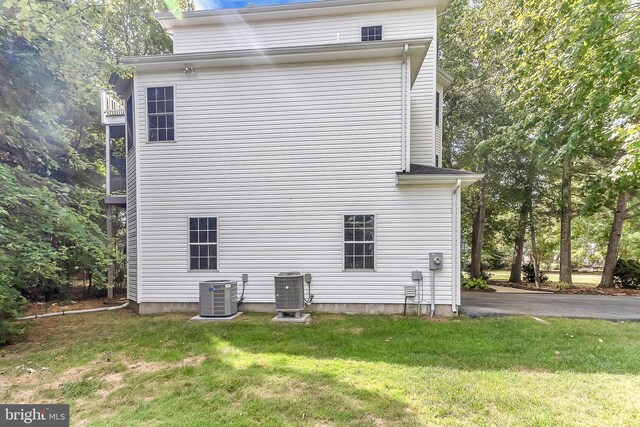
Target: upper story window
437 108
129 122
160 109
359 242
372 34
203 243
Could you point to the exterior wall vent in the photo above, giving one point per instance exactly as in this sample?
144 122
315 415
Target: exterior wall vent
289 288
218 298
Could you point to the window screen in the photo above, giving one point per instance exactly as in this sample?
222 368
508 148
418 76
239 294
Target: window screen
371 34
203 243
437 108
359 242
129 123
160 113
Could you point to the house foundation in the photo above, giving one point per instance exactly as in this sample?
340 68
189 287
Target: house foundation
442 310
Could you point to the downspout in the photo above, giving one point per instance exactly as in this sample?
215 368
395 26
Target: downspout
404 102
63 313
456 244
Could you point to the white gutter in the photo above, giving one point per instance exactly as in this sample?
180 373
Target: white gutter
433 179
286 55
63 313
456 246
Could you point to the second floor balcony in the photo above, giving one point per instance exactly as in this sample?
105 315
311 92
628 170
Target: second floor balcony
111 109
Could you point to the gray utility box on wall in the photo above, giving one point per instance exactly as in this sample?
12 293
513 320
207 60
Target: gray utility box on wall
435 261
218 298
289 288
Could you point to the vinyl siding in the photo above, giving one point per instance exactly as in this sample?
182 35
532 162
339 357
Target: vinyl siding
423 100
238 34
396 25
279 154
132 228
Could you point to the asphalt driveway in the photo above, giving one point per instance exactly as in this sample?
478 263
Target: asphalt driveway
483 304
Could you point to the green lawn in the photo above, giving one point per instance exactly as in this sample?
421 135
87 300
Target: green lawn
584 279
117 368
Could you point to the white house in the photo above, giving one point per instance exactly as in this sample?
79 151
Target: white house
301 137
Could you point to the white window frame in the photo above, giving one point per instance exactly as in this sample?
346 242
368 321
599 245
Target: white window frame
217 244
146 113
375 243
438 108
368 26
133 122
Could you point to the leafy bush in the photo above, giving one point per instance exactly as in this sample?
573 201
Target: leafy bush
627 274
563 286
11 305
475 284
49 232
528 273
495 260
483 271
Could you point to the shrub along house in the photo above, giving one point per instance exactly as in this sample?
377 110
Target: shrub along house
301 137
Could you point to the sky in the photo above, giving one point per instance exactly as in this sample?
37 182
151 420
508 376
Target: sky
225 4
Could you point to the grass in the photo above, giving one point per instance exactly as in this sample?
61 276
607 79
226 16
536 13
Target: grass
119 369
579 279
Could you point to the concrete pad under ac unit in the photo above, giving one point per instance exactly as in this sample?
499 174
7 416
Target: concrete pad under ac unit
303 318
199 318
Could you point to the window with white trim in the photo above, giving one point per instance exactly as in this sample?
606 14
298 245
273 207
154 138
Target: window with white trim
359 242
203 243
129 123
160 109
437 108
372 34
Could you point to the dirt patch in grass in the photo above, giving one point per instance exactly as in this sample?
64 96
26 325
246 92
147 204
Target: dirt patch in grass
576 289
100 376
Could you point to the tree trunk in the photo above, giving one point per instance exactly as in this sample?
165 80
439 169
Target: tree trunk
477 236
90 284
534 250
615 235
518 250
565 222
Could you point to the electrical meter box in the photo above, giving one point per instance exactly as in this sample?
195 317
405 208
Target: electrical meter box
435 261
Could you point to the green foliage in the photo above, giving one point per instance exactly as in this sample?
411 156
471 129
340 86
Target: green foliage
470 283
484 271
529 275
55 58
627 274
11 306
49 232
563 286
537 81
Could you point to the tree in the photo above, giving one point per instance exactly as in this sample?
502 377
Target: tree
56 57
572 81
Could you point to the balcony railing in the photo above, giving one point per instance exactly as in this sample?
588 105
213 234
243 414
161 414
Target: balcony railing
111 109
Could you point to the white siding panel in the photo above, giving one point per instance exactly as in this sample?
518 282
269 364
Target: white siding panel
238 34
132 228
279 154
423 100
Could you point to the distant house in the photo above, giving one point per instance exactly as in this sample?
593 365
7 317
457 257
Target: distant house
302 137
